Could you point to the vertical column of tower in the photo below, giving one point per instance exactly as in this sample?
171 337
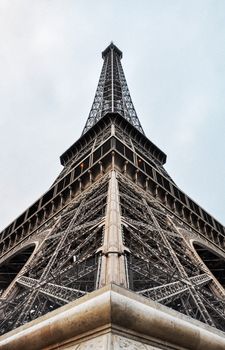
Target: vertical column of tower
112 80
113 268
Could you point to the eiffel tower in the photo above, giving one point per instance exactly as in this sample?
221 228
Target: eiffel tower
113 215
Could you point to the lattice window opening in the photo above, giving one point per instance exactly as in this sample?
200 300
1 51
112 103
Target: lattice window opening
147 246
215 305
78 245
11 268
144 274
213 261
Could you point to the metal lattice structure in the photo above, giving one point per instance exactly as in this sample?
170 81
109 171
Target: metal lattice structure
112 94
113 215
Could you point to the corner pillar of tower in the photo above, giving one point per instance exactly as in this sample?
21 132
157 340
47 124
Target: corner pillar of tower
113 262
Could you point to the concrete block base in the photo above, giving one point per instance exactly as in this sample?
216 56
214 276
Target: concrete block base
113 318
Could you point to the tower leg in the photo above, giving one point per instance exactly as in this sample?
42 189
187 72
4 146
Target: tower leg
113 251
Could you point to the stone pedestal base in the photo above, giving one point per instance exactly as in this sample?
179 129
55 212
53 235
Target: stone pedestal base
113 318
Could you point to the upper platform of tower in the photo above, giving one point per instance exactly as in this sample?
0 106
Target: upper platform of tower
112 94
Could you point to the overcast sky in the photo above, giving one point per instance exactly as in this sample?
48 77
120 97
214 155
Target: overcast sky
50 62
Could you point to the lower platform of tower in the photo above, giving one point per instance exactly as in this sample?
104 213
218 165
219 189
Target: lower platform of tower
113 318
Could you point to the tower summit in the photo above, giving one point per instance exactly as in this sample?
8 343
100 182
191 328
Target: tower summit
113 216
112 94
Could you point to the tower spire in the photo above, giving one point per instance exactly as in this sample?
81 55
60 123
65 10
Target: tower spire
112 94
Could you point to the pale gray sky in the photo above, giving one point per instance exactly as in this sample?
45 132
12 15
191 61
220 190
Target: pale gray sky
50 61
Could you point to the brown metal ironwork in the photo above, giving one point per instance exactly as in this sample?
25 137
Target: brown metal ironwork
112 215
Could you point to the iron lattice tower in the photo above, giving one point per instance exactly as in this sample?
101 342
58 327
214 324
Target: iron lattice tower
112 215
